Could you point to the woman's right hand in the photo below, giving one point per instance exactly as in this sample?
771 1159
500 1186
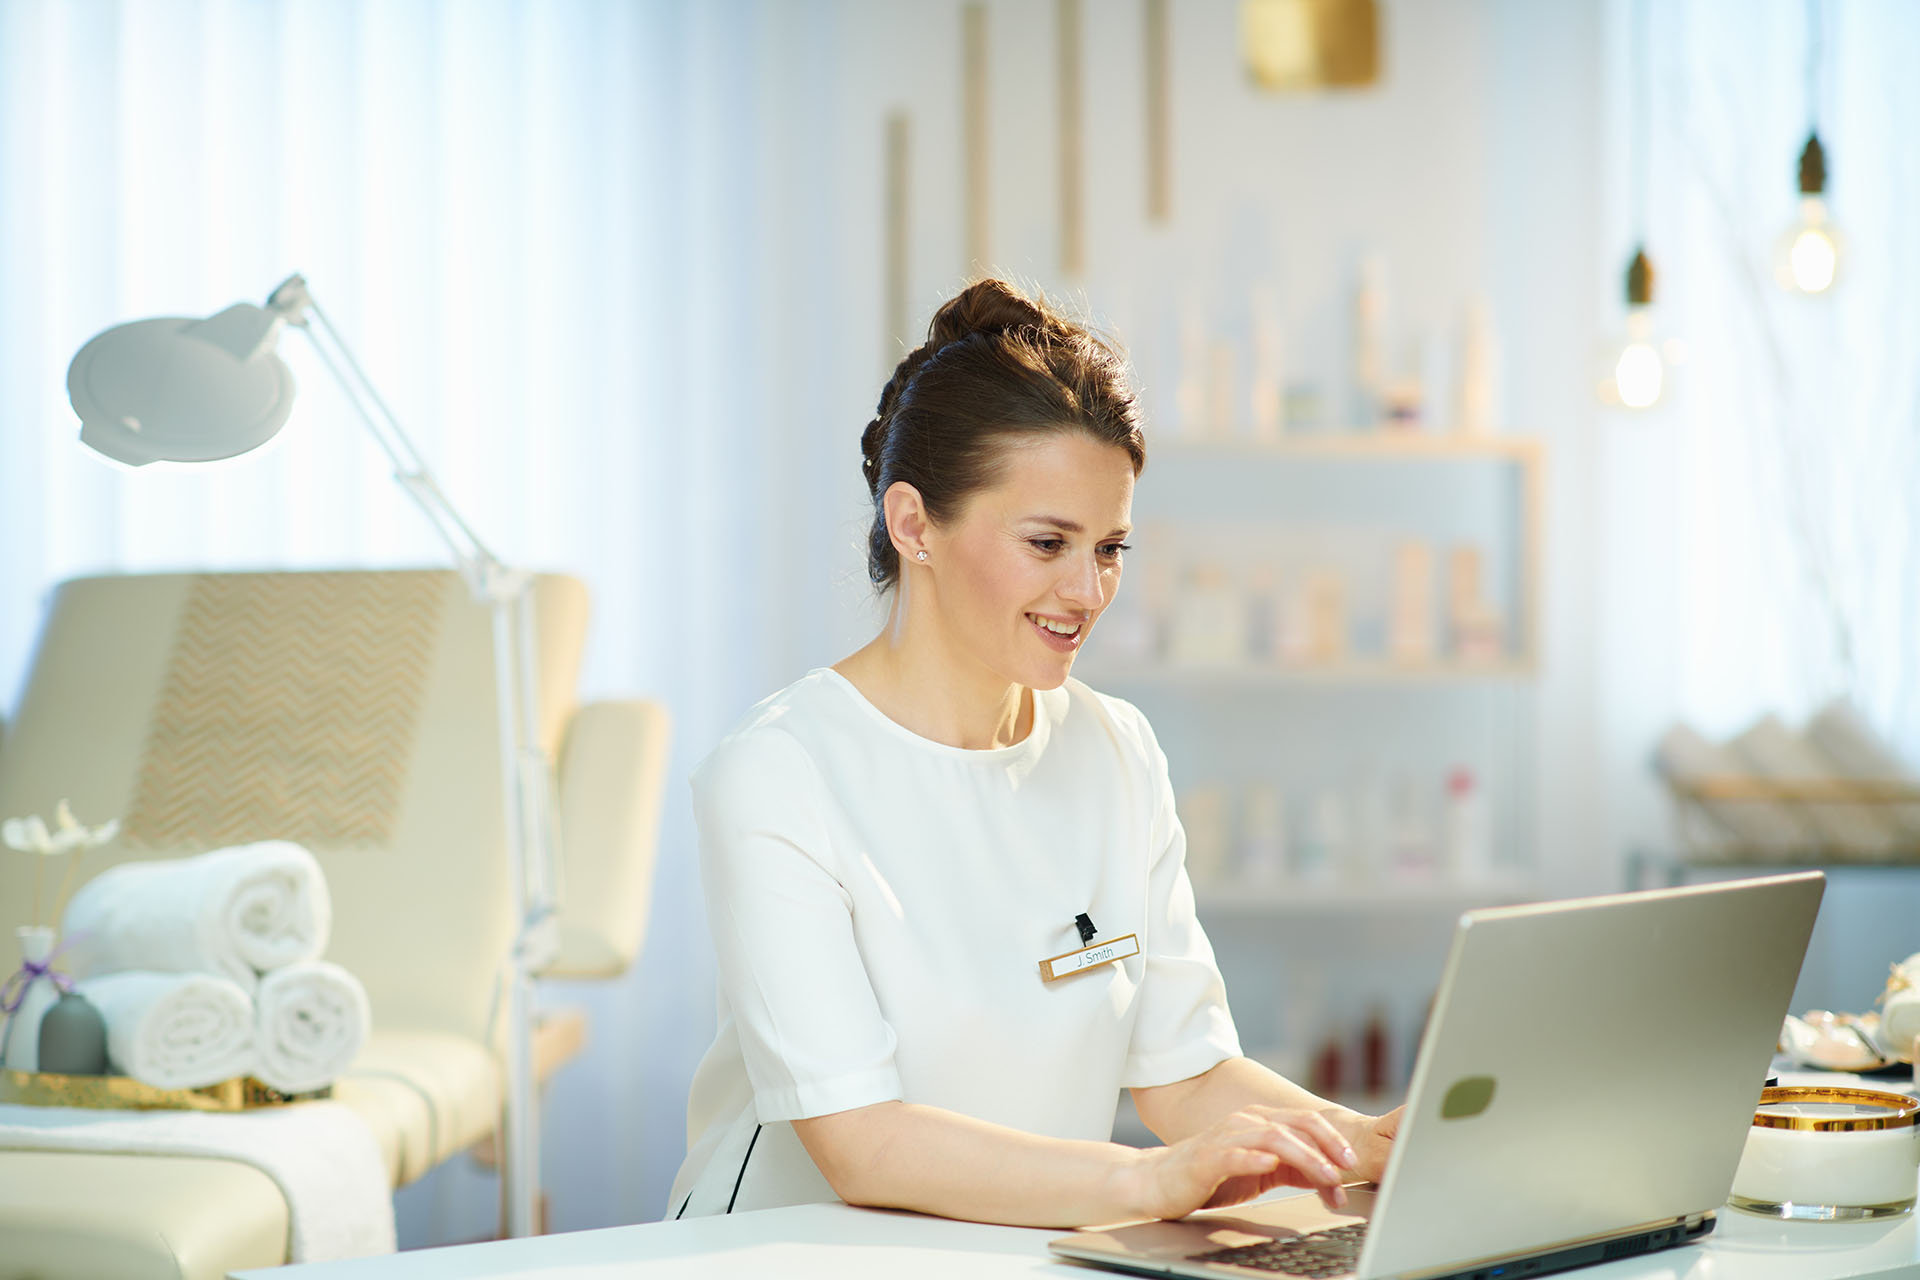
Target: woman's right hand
1243 1155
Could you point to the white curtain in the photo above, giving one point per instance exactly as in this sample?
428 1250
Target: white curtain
583 247
1786 472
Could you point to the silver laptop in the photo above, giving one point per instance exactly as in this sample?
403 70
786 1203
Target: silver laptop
1583 1092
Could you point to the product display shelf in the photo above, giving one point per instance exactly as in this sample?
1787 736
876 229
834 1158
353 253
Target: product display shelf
1389 446
1263 926
1310 897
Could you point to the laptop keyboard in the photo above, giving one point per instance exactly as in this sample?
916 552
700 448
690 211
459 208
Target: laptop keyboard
1333 1252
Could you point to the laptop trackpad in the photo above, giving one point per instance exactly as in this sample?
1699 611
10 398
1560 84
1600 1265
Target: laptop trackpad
1231 1228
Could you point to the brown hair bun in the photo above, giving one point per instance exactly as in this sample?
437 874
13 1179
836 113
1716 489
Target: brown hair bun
996 364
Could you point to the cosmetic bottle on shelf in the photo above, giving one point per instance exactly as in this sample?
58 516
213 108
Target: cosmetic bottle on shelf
1328 626
1204 818
1266 395
1468 852
1479 410
1210 624
1326 845
1411 856
1410 638
1191 389
1263 850
1263 614
1369 344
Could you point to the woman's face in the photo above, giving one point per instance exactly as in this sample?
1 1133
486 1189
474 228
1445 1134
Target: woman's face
1027 567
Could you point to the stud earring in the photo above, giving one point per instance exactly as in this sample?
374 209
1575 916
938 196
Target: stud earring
920 555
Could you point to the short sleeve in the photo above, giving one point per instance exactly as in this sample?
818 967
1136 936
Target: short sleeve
1184 1027
810 1027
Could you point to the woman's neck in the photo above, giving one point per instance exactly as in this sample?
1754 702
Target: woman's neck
911 672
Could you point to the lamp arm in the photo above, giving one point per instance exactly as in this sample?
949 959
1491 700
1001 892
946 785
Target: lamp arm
483 570
506 590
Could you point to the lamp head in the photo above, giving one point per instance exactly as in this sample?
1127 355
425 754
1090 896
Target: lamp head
179 390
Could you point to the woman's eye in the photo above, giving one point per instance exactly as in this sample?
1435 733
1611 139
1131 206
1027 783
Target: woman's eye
1112 550
1048 545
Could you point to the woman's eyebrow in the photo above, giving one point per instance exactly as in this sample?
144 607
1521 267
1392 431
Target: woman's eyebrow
1073 526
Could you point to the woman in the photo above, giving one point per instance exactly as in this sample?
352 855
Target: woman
890 848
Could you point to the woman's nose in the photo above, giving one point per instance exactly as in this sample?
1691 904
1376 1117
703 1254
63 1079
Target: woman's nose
1085 586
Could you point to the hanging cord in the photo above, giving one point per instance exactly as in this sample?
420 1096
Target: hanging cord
1639 143
1816 55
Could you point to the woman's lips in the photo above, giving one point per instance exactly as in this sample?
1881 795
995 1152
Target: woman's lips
1054 640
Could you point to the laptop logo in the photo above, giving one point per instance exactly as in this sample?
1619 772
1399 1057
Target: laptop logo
1468 1097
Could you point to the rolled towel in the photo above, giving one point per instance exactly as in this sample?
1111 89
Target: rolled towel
311 1021
175 1030
1775 751
1845 737
1765 827
234 912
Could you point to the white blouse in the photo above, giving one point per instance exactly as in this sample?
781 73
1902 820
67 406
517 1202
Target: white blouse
880 904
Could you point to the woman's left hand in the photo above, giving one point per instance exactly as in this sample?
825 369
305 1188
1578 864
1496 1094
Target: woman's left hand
1371 1138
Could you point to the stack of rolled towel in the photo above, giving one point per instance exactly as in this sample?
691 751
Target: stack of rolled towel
1836 745
208 968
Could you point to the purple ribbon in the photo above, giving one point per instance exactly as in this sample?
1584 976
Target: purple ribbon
30 972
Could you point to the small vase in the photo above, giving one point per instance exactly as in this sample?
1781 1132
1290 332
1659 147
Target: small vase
23 1026
73 1038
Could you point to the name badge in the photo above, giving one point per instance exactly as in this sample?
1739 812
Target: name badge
1089 957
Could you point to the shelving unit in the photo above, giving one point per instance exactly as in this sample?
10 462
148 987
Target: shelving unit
1346 947
1388 446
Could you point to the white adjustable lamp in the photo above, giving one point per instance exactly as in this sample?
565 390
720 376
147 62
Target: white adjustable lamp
177 390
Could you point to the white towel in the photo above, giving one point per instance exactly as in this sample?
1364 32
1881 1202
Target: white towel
174 1030
339 1202
1766 827
1844 737
311 1020
1775 751
233 912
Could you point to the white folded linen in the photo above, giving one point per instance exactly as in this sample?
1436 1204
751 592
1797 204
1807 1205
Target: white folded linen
1775 751
325 1158
1845 737
1767 827
311 1019
234 912
174 1030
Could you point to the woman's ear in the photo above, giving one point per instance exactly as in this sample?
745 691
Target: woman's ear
908 524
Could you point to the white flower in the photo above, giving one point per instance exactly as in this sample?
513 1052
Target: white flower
30 835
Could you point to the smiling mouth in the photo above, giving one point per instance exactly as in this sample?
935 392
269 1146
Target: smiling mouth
1060 635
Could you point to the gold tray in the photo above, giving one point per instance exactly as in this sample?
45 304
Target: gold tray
123 1093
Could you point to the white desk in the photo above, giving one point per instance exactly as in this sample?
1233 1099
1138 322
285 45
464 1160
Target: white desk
835 1242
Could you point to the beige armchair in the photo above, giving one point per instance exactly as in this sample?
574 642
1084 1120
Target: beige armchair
352 712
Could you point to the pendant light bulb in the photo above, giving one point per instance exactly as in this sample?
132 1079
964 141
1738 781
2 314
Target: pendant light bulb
1808 257
1635 373
1638 374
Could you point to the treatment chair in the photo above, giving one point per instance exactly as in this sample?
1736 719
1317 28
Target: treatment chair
354 713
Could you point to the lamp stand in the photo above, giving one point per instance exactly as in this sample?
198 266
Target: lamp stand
526 775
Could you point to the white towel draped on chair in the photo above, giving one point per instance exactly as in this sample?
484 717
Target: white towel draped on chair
236 912
321 1153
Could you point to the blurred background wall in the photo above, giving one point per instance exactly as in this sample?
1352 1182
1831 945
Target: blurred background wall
619 267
